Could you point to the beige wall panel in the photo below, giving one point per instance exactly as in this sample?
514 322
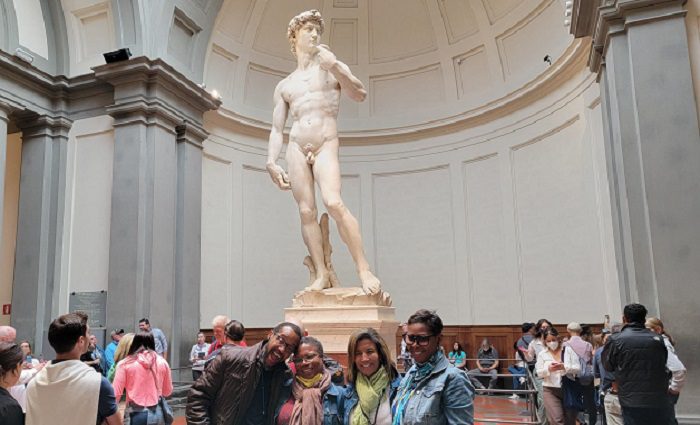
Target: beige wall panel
9 233
394 94
496 9
221 72
217 238
459 19
557 229
493 293
90 28
399 29
472 75
415 241
273 250
93 156
342 39
523 47
272 30
234 17
260 86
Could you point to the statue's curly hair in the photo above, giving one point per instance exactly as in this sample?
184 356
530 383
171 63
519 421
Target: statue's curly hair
299 21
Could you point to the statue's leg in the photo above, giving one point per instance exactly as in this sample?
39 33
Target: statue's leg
327 173
301 178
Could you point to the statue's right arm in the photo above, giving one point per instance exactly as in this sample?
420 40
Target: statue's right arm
274 147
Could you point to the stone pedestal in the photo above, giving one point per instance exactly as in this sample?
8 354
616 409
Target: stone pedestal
332 315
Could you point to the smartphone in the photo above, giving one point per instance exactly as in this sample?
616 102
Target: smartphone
28 360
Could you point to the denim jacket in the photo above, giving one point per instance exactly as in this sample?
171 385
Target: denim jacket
446 396
332 404
351 398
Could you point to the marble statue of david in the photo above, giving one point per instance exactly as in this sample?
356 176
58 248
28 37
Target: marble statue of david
312 95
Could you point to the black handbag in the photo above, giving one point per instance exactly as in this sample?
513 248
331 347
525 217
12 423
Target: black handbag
572 391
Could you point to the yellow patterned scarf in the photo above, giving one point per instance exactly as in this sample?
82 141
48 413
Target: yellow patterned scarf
308 399
370 391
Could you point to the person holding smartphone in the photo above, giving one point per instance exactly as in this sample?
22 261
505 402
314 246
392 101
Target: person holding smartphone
198 355
552 364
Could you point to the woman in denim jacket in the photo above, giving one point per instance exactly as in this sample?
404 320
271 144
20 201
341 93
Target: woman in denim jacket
433 392
372 380
314 399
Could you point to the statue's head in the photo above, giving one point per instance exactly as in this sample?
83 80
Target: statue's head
297 22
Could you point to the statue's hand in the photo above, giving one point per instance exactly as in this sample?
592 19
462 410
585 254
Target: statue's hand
279 177
326 58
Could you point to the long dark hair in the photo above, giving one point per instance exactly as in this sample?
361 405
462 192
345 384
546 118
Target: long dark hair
459 348
143 341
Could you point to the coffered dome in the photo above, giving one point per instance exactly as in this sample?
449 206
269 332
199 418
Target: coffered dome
425 63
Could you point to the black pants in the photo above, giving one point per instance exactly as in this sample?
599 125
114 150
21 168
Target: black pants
196 374
589 403
646 416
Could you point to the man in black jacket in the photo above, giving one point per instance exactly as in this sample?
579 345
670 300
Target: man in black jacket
637 357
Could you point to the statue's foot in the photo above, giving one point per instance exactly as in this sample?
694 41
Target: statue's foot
370 283
322 282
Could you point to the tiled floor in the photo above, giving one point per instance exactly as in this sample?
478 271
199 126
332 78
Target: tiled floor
485 407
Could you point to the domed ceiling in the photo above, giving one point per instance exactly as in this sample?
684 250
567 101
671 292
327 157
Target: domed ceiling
424 63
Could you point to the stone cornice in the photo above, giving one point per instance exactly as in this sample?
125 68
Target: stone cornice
615 16
142 81
26 87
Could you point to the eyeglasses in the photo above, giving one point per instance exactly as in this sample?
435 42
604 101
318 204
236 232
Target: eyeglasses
306 359
417 339
288 348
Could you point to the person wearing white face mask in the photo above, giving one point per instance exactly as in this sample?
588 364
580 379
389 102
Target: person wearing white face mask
551 366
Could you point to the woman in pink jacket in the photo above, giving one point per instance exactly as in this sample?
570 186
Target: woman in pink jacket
145 376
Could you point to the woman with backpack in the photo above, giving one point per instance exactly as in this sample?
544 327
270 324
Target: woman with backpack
552 365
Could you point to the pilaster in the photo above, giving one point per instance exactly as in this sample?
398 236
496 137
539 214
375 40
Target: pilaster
155 248
40 226
640 52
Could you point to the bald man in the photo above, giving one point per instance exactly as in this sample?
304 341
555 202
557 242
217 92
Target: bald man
7 334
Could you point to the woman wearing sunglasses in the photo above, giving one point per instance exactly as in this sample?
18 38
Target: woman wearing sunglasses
373 380
433 391
315 400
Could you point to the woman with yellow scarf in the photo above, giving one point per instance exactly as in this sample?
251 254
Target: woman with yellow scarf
315 400
372 380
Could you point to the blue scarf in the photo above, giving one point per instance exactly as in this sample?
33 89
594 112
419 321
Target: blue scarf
409 384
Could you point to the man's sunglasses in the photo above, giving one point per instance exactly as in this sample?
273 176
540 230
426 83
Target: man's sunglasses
417 339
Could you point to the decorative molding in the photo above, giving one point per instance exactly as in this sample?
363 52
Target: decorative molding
255 92
376 80
615 16
349 55
568 66
457 62
453 33
374 57
146 88
345 4
527 20
495 15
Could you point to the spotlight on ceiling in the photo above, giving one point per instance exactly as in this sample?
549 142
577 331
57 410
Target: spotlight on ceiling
117 55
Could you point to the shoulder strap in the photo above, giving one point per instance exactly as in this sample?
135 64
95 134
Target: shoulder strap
155 381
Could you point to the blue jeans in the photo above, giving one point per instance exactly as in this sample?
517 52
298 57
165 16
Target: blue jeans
147 416
517 373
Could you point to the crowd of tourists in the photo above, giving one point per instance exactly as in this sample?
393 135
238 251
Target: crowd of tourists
628 374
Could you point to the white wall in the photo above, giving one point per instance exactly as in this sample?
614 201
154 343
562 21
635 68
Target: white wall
493 224
9 226
31 26
85 257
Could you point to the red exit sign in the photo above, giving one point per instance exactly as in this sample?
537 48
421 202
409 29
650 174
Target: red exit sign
6 308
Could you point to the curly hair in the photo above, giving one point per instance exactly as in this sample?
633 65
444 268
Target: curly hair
299 21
